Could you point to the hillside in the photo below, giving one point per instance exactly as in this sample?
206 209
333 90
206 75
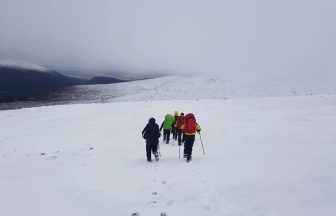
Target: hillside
200 87
23 81
26 84
273 156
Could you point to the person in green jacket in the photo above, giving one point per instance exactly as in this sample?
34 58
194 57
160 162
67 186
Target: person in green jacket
167 125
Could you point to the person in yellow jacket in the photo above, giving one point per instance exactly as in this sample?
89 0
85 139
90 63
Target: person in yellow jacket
190 127
174 128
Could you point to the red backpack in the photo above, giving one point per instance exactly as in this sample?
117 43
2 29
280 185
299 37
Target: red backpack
180 121
190 123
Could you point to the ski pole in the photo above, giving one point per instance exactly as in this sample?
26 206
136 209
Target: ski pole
201 142
173 136
179 152
159 149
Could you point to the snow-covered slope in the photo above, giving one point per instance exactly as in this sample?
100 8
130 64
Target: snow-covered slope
22 65
271 157
198 87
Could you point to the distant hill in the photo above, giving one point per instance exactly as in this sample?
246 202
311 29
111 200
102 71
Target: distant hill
21 81
104 80
26 84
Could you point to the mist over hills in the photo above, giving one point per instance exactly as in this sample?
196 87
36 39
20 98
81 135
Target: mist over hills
22 81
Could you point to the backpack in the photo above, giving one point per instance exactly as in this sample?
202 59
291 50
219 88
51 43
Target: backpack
151 132
180 121
176 121
169 120
190 123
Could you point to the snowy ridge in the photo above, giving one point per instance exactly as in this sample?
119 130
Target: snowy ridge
22 65
272 157
202 87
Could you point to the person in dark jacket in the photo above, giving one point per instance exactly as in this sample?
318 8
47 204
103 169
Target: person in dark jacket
151 134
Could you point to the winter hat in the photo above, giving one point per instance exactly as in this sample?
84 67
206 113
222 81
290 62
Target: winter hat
151 120
176 113
182 114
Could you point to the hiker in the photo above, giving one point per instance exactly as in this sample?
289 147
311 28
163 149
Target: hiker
151 134
180 135
189 128
167 125
174 129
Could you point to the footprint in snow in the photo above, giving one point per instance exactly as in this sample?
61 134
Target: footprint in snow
154 193
52 158
207 208
135 214
171 202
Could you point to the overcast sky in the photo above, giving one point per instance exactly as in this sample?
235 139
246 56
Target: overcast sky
236 37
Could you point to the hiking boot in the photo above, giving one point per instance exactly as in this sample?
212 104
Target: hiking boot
156 156
150 160
188 158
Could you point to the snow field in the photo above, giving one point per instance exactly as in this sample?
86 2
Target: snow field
204 87
273 156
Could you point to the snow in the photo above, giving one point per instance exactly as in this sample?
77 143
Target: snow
201 87
22 65
267 156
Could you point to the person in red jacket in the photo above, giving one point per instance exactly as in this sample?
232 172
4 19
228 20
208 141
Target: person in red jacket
189 128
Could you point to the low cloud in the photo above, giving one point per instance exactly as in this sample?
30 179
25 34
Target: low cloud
231 38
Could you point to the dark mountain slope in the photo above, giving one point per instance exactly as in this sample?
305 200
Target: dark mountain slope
26 84
104 80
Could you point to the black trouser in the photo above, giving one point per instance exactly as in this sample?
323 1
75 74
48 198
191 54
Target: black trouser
188 145
150 149
166 135
175 133
180 136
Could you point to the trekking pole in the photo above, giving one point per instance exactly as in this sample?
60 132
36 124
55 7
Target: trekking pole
159 149
179 152
201 142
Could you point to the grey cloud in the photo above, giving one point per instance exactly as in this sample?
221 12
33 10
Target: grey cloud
234 38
